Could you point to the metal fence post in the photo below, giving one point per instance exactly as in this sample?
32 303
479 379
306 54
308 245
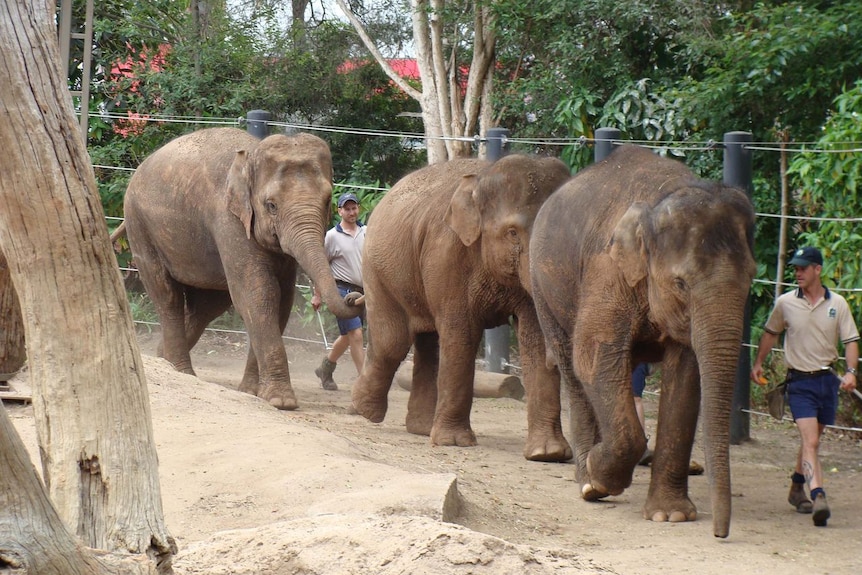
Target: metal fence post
737 173
257 123
604 142
497 339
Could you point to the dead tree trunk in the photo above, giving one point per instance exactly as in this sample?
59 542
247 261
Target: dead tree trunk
89 394
41 544
12 351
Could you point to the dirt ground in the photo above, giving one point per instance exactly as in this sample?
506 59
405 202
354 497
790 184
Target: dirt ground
248 489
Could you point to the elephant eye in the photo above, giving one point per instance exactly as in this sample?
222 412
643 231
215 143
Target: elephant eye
270 206
680 284
512 234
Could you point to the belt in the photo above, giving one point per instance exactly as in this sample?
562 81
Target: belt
348 285
797 374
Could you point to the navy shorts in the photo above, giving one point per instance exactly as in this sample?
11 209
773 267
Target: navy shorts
814 397
345 326
639 376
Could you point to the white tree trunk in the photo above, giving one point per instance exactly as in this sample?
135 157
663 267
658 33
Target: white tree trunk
450 120
89 393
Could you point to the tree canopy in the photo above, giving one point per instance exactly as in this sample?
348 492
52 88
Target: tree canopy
675 73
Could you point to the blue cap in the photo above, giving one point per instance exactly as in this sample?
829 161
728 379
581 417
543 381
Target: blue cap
807 256
347 198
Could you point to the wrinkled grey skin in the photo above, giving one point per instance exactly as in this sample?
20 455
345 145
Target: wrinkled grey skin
218 216
445 258
636 260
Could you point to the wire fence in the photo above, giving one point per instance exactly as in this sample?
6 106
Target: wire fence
848 147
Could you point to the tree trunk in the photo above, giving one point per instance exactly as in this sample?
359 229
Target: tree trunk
89 394
451 108
40 543
12 351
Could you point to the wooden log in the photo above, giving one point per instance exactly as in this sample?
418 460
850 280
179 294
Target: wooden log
485 383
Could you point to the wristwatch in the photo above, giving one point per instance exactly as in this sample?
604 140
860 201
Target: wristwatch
851 370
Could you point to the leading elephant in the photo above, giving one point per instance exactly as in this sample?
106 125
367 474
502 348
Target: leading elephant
635 259
219 216
446 258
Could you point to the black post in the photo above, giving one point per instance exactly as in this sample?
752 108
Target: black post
604 142
497 339
257 123
737 173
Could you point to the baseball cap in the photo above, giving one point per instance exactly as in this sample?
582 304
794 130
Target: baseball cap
806 256
347 198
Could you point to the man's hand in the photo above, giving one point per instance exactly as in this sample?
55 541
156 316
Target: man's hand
315 302
848 382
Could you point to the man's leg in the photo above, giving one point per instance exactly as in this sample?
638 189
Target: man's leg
329 363
810 431
357 352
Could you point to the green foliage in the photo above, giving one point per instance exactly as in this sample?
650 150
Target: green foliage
827 185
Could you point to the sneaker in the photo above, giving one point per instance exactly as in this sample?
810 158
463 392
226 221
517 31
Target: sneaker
821 510
798 499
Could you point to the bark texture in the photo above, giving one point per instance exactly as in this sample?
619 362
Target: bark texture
89 393
12 351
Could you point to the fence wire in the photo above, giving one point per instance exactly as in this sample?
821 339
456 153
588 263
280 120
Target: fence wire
709 145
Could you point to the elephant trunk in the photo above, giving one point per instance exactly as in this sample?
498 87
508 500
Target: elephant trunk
716 342
312 258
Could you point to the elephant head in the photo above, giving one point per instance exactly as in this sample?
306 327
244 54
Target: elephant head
499 204
281 190
693 251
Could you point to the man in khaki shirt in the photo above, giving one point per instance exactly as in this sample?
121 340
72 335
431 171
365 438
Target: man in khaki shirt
815 320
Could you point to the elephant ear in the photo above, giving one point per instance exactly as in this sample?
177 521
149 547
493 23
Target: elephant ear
627 245
239 190
462 215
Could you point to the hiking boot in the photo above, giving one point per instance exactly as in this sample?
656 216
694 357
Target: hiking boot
798 499
821 510
324 372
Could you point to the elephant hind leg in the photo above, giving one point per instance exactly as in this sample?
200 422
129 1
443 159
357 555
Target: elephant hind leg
423 391
202 307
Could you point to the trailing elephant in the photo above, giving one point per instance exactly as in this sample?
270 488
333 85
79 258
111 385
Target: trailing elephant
635 259
446 258
218 217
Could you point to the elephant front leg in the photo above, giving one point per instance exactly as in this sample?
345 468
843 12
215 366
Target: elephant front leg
267 373
545 440
667 499
455 390
611 461
388 344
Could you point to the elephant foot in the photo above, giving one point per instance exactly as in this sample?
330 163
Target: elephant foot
609 483
547 448
419 424
590 492
279 396
248 387
457 436
370 410
672 510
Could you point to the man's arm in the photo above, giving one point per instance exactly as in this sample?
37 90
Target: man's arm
767 342
851 355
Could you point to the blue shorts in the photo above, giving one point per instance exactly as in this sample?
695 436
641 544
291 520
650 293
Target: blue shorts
345 326
814 397
639 376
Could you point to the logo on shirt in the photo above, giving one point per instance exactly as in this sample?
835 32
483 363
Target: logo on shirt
832 312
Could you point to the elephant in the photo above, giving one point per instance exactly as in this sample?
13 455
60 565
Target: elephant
218 217
445 258
636 259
